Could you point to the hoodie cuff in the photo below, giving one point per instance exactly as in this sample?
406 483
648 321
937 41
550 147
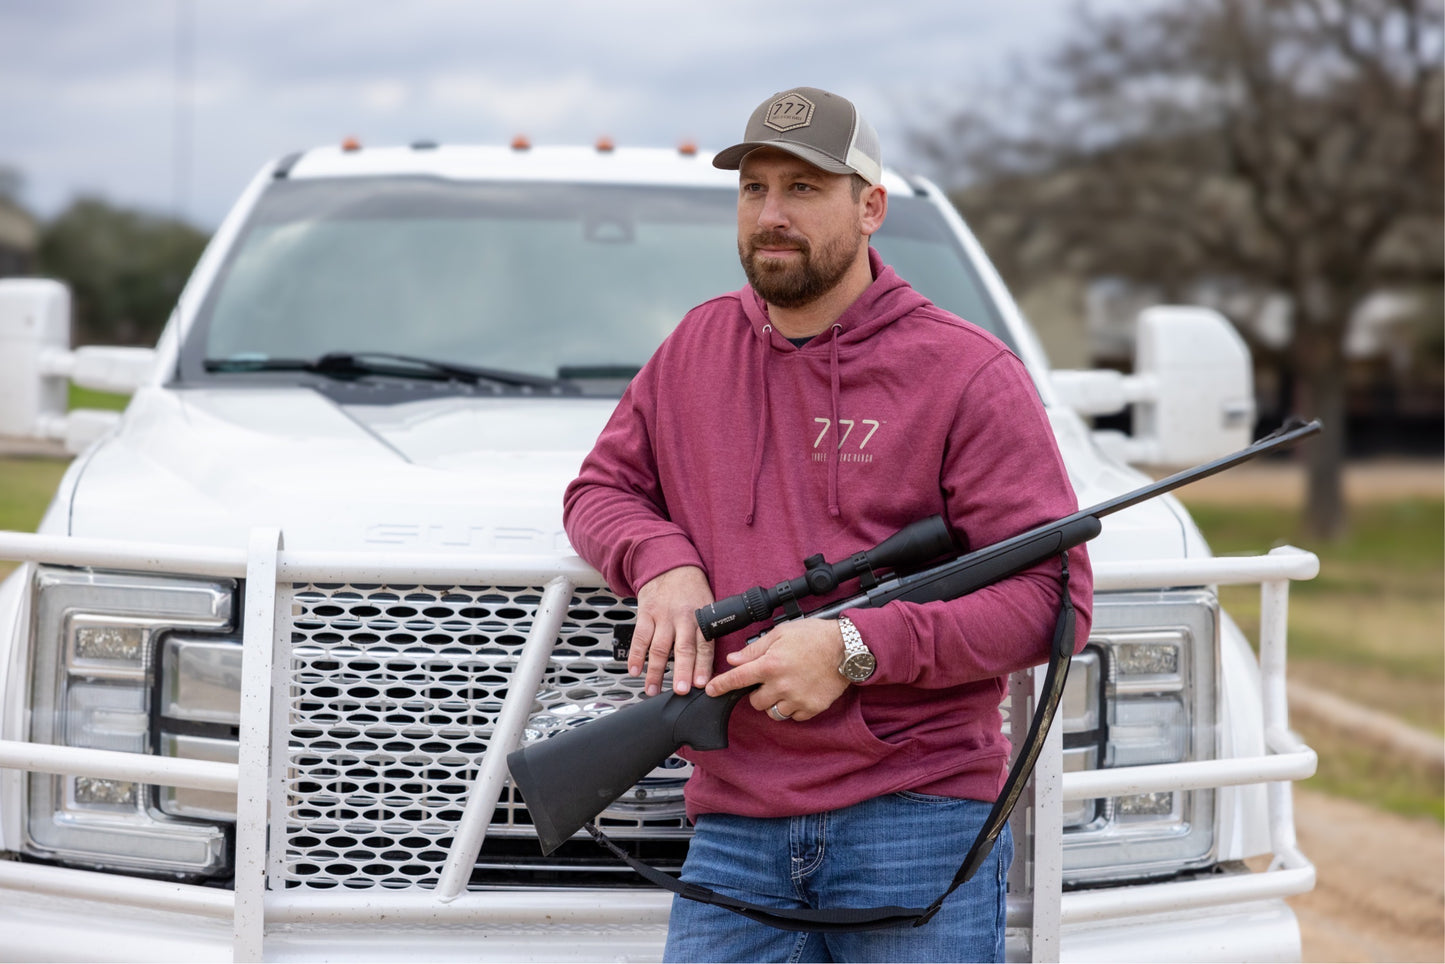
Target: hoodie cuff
890 639
652 557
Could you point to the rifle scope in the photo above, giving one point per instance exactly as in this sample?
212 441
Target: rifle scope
913 545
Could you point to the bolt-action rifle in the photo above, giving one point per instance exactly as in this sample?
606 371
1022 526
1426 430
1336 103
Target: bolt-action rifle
571 778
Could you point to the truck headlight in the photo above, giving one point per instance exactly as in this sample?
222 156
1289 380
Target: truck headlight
99 642
198 714
1142 692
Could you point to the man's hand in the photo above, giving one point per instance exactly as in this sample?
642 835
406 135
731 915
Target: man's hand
667 608
797 664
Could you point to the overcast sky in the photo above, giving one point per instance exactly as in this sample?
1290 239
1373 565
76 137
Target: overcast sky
172 105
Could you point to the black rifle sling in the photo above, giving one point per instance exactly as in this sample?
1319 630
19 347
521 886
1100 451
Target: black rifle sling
1061 655
843 919
832 920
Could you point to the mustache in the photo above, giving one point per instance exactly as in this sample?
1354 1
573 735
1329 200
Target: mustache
777 239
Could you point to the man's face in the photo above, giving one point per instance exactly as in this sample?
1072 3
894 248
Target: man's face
799 227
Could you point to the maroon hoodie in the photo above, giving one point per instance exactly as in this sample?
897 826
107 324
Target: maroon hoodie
735 451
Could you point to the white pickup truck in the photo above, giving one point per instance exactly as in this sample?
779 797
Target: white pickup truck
262 663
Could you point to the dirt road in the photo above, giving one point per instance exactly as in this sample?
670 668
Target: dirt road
1380 893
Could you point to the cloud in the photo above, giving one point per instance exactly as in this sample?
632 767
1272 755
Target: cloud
524 104
174 104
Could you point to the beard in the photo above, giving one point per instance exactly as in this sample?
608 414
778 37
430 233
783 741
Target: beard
801 281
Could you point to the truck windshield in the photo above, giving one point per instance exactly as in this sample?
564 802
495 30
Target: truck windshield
577 282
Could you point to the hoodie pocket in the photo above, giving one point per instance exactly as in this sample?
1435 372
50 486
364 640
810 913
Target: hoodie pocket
857 729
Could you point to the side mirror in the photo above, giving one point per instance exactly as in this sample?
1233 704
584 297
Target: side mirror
1192 390
36 362
34 324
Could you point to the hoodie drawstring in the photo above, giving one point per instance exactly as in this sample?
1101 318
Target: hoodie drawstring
836 377
760 438
762 431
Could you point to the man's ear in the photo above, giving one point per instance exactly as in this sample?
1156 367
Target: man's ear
873 206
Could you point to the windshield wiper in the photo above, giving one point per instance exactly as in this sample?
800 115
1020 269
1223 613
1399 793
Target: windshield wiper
350 365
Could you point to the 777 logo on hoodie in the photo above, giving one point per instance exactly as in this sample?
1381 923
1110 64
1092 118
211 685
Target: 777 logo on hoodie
866 428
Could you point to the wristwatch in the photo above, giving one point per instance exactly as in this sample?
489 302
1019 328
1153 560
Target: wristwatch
858 661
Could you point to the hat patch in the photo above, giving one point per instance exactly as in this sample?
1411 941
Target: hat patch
789 112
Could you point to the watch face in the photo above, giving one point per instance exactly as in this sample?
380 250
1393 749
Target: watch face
859 666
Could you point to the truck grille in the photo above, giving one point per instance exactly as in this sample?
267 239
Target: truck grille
394 691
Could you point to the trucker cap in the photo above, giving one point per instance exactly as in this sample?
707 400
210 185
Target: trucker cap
822 128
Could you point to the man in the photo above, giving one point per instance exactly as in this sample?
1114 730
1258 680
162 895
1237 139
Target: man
818 410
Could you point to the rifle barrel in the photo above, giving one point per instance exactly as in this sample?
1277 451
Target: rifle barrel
973 570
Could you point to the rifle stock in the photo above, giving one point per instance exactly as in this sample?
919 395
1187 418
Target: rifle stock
571 778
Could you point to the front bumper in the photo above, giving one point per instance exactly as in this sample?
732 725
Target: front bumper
1262 931
115 921
532 926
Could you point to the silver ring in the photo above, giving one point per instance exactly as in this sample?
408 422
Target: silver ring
777 714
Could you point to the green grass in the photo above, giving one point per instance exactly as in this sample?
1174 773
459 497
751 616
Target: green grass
89 398
1377 603
26 486
1347 769
1370 627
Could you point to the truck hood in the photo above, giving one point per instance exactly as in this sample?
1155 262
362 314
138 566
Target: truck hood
449 475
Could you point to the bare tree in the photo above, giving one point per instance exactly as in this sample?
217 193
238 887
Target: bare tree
1276 146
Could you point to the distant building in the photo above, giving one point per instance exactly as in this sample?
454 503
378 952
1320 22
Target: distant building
19 239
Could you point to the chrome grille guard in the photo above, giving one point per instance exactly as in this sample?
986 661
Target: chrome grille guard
261 899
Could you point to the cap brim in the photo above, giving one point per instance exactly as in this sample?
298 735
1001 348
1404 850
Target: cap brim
730 159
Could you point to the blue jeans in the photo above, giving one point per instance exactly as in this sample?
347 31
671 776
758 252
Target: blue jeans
901 849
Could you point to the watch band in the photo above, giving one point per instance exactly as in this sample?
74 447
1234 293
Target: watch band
858 662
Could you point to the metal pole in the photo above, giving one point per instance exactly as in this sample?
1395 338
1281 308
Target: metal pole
506 737
252 796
